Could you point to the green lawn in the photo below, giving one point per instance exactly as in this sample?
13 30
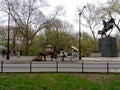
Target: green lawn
59 81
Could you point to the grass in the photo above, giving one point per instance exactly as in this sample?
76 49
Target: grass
59 81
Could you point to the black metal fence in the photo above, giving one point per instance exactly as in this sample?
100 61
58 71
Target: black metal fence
82 66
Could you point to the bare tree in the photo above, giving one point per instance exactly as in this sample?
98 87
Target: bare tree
29 18
59 26
110 10
91 21
2 35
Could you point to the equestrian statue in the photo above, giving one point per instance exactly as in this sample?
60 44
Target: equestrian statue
108 25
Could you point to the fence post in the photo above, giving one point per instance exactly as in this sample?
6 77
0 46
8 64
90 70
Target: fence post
30 66
107 67
56 66
82 67
2 67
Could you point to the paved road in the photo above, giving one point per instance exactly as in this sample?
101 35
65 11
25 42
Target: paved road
24 64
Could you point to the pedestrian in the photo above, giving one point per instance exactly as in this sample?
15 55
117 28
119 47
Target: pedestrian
12 52
18 53
3 53
62 53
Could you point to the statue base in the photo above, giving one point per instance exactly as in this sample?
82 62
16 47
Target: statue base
108 47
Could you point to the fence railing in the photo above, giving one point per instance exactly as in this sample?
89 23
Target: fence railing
57 66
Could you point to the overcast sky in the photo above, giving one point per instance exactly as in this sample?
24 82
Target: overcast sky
71 6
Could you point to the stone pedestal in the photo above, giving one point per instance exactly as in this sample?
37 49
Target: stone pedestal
108 47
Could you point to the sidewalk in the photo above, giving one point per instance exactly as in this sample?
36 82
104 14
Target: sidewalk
101 59
29 58
15 58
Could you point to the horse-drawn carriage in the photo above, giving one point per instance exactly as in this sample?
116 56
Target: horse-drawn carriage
56 54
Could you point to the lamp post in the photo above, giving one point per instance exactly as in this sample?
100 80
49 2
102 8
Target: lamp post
80 56
8 56
80 36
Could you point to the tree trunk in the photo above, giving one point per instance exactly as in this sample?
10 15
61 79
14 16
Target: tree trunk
26 49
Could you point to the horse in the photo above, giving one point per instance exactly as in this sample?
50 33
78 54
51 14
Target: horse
43 54
48 53
107 26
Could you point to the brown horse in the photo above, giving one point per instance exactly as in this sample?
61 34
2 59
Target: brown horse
47 53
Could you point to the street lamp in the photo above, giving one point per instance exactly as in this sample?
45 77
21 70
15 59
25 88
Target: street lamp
80 36
8 56
80 57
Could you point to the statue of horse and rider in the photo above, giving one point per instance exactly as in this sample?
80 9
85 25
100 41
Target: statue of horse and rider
108 25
